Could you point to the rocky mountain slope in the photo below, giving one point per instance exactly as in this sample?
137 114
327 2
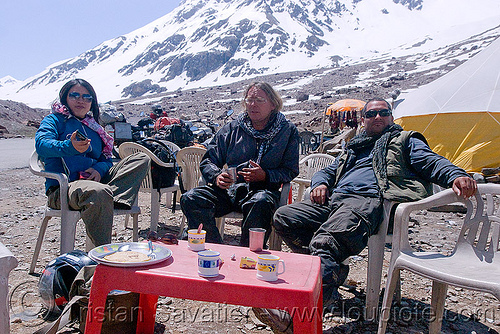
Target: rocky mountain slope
17 119
205 43
306 93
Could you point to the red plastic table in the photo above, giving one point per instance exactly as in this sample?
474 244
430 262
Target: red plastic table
298 290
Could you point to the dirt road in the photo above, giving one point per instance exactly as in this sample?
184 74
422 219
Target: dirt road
15 152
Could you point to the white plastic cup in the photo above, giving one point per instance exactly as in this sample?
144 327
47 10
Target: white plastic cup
208 263
267 267
196 241
256 242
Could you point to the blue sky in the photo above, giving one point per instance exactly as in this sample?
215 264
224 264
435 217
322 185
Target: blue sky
37 33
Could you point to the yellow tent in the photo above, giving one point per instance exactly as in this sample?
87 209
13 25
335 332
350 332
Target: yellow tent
459 113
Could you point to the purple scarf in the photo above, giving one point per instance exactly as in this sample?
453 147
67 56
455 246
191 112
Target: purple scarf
89 121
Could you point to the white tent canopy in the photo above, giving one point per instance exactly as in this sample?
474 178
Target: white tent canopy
459 113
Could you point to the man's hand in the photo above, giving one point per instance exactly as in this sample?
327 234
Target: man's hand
254 173
319 194
464 186
79 145
224 180
94 175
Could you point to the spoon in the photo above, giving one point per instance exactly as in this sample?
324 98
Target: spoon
151 254
122 248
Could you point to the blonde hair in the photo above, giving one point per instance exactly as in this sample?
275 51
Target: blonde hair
272 95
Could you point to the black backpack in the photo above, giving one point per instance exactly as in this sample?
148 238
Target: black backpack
163 177
179 134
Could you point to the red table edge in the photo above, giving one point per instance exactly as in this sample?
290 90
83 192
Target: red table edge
311 299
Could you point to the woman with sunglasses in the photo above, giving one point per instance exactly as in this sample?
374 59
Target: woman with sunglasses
263 147
71 141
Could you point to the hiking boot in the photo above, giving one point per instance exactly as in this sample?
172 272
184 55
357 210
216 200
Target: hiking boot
333 307
331 296
279 321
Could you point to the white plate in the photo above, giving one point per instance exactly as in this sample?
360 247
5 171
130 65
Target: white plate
162 253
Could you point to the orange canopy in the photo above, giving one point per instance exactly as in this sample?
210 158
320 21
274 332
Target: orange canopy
346 105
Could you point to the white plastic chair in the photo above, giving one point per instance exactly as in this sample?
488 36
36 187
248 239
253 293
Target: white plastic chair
473 264
129 148
189 159
308 166
69 217
376 248
307 141
7 263
173 146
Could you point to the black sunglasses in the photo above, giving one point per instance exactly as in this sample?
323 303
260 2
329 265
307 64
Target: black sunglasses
75 96
373 113
168 238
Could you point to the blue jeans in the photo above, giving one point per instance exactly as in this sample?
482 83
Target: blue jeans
333 231
204 204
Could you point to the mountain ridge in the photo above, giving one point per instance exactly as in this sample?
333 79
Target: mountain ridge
211 42
306 93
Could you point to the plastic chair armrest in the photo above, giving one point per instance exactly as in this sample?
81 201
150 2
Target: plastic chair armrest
61 178
402 215
161 163
305 182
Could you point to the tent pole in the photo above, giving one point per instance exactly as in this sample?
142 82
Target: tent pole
320 149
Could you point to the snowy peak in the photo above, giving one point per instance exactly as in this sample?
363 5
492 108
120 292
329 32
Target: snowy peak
8 81
211 42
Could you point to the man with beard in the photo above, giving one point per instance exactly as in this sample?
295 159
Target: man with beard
345 205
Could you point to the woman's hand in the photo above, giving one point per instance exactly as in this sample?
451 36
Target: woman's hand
255 173
224 180
79 145
319 194
93 175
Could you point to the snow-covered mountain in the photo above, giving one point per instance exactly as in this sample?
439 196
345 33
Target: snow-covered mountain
8 81
212 42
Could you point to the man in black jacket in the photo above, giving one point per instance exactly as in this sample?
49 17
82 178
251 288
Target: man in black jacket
345 206
263 146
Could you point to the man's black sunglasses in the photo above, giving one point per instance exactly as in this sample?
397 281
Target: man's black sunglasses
372 113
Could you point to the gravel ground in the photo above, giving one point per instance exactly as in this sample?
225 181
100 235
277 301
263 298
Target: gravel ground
22 200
